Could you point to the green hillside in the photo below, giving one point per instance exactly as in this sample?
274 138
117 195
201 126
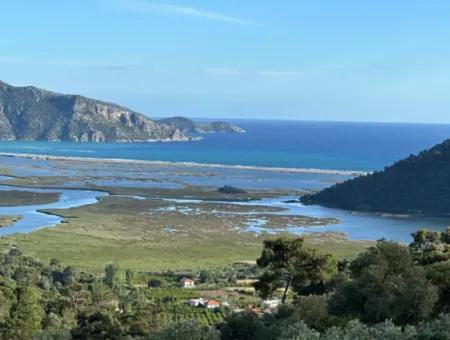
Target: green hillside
417 184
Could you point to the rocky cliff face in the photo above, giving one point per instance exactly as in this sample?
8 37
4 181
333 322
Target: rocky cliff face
29 113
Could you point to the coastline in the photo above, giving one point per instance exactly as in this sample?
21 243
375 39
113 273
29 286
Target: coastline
190 164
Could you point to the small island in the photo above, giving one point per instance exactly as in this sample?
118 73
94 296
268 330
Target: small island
6 221
228 189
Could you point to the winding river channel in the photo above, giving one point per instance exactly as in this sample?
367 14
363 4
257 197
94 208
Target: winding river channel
33 219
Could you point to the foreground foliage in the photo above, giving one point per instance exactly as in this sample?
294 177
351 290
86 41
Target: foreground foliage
388 292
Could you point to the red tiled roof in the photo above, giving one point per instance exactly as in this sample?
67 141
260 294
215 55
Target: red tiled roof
213 302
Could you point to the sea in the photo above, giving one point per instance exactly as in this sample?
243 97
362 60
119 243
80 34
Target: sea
270 143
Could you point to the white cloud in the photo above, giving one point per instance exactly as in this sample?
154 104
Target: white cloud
279 73
221 71
165 8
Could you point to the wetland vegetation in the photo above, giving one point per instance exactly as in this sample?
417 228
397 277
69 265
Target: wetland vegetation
133 233
11 198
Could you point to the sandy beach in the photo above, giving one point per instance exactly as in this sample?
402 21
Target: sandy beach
190 164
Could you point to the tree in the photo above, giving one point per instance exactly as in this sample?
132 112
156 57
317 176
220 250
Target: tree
98 325
312 270
385 284
154 283
7 296
383 331
439 275
432 250
113 275
245 326
313 310
129 277
298 331
69 275
52 334
430 246
207 276
26 314
438 329
288 264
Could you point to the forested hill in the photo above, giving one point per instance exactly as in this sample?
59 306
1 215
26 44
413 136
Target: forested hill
417 184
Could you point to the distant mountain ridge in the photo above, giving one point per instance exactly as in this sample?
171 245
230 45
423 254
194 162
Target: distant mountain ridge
30 113
188 126
417 184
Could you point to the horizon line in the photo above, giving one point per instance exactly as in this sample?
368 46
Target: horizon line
300 120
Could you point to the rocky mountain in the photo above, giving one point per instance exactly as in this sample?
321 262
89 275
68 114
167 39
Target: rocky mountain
30 113
417 184
188 126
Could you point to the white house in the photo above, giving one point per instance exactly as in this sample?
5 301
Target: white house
211 304
186 282
196 302
272 303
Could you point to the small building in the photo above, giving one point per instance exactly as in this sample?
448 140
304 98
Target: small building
186 282
212 304
196 302
272 303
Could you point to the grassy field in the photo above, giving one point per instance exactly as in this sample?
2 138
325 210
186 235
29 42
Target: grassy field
15 197
152 235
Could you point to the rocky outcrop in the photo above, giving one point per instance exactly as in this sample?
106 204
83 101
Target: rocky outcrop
228 189
181 123
188 126
29 113
219 127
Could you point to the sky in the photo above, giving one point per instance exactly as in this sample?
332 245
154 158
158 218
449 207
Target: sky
340 60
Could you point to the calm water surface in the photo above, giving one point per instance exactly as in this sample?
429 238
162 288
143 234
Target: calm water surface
297 144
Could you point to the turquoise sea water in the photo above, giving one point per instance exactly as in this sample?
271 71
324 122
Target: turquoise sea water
293 144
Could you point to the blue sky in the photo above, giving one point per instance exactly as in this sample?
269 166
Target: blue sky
292 59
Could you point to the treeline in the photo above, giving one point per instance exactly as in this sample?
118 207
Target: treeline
417 184
390 291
